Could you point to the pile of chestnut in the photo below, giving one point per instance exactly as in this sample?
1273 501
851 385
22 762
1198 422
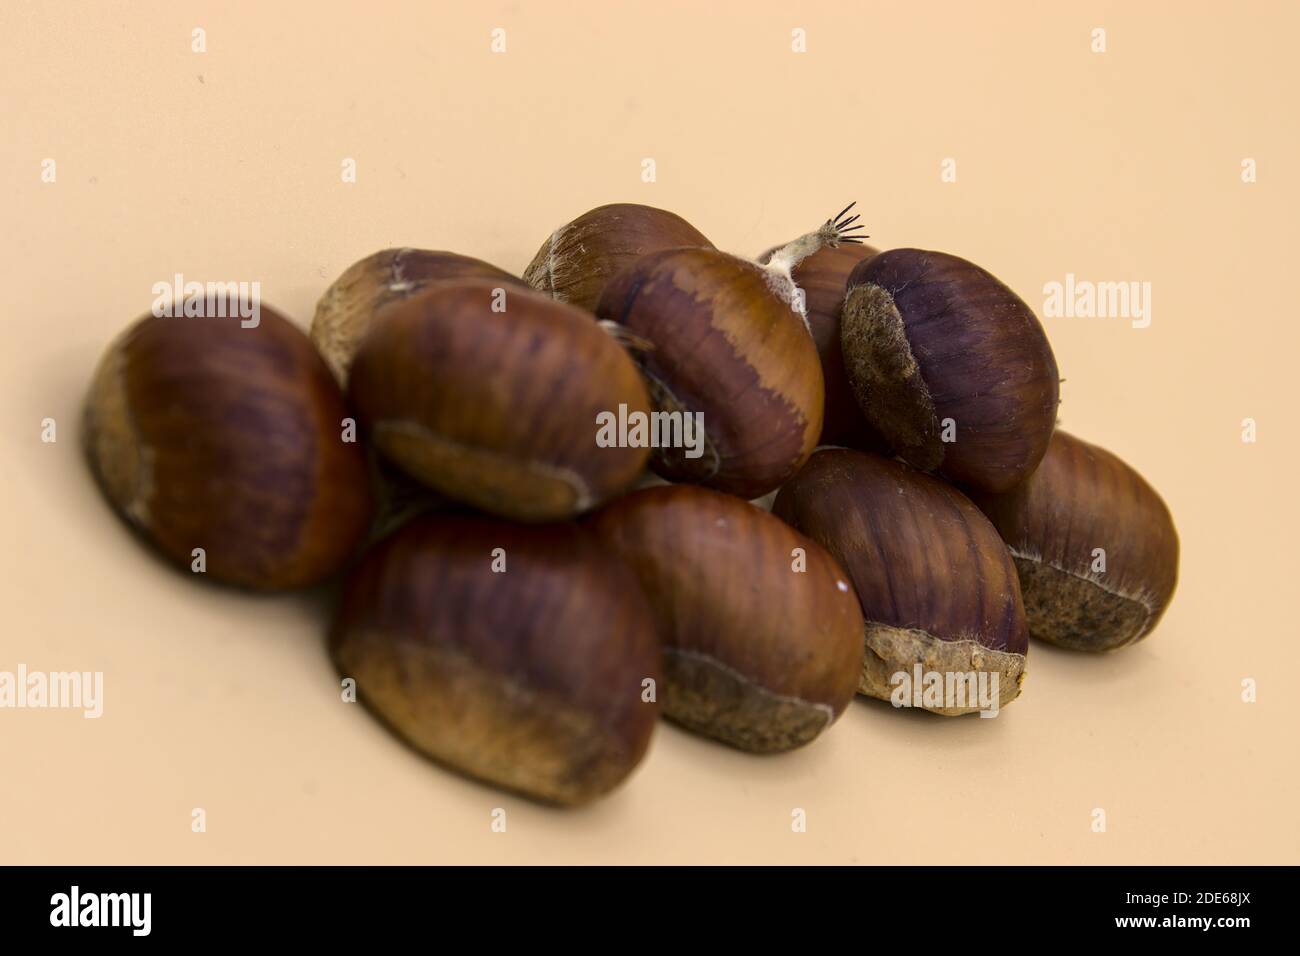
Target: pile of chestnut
520 601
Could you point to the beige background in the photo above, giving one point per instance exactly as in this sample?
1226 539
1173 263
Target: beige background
226 165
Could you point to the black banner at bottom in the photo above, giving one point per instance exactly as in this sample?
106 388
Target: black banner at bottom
91 905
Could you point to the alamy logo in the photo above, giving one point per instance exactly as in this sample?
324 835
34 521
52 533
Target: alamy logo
1083 299
951 690
75 908
70 690
213 300
653 430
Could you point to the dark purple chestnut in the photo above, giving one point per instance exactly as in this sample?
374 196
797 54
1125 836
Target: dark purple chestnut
950 366
936 583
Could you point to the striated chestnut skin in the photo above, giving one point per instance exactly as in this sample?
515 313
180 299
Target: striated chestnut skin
936 584
761 631
205 434
928 337
722 344
823 277
346 310
577 260
498 409
522 667
1081 499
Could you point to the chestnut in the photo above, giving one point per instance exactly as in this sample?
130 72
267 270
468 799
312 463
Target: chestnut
761 631
495 400
950 366
517 654
823 276
726 352
936 583
577 260
204 434
1094 544
345 311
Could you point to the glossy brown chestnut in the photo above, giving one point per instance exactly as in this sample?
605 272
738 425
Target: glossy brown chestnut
724 346
1094 544
493 398
823 277
205 434
517 654
761 631
577 260
950 366
935 581
345 311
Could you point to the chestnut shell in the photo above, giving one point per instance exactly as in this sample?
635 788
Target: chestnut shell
823 277
761 649
205 434
498 409
722 344
935 581
580 257
530 678
929 337
346 310
1083 498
